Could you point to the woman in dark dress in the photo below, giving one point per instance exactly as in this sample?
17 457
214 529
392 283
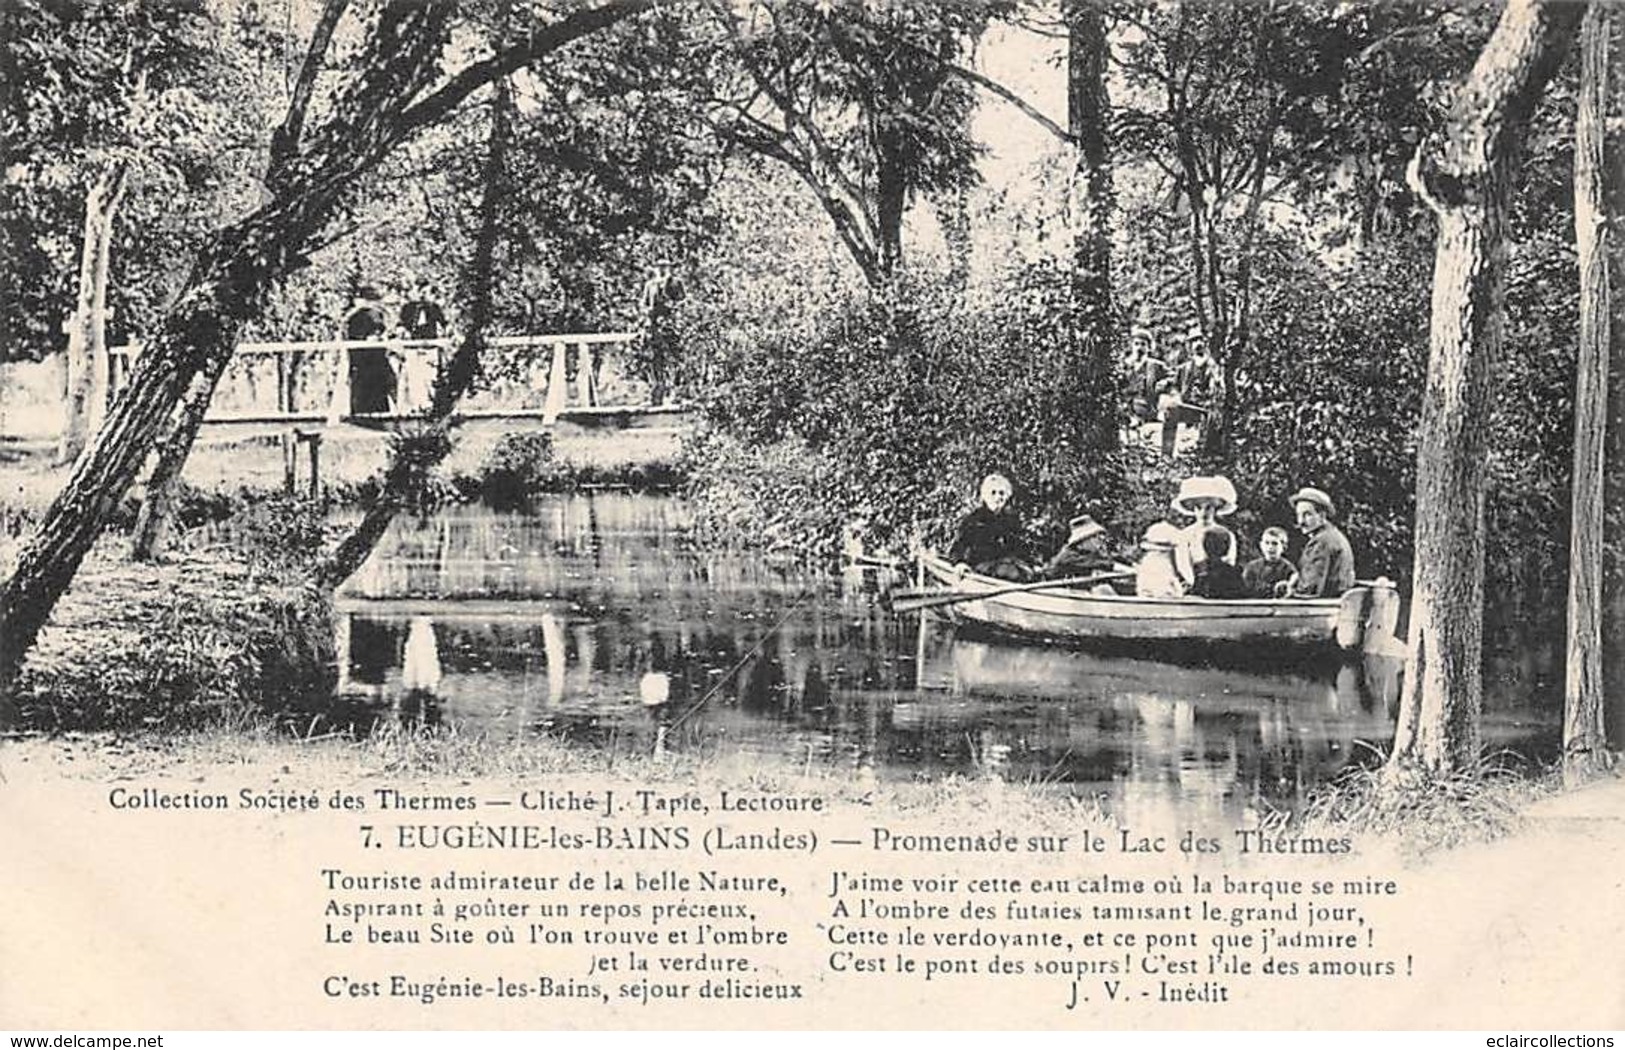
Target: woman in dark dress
990 539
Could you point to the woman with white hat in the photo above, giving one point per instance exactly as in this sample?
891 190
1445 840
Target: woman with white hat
1206 499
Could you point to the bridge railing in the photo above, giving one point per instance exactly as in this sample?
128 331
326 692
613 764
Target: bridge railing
333 380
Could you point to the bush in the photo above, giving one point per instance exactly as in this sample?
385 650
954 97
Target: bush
519 468
895 411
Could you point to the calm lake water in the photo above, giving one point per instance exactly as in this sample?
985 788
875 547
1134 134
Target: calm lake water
592 618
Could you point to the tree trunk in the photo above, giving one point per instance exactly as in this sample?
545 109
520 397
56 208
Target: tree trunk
87 330
1464 175
1584 739
891 198
1094 332
1613 188
157 512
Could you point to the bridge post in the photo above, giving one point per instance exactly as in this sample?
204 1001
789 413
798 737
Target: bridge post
586 385
556 393
287 440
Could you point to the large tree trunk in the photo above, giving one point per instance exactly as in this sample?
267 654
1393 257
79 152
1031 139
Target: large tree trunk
1613 634
1465 176
1584 738
153 523
87 330
1094 332
891 199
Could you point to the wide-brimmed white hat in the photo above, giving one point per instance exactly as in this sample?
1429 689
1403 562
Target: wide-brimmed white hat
1318 497
1216 488
1160 536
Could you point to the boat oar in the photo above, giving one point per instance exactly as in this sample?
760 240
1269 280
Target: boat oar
932 601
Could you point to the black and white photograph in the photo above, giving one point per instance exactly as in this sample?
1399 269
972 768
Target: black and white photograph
1098 515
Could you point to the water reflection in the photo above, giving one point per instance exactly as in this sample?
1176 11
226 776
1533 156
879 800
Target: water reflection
594 620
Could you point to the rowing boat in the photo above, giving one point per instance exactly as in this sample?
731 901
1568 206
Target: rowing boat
1072 615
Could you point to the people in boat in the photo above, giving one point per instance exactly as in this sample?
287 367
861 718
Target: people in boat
990 539
1084 553
1270 567
1156 576
1215 577
1326 566
1206 499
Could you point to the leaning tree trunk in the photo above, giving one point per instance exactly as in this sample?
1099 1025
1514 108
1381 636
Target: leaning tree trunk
1465 177
1094 332
1584 737
152 523
87 329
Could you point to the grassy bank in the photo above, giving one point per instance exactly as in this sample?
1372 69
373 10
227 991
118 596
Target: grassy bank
217 637
492 464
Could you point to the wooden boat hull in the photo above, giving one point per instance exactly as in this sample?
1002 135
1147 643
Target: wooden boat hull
1078 616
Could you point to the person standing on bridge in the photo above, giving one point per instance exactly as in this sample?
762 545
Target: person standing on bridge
422 321
372 379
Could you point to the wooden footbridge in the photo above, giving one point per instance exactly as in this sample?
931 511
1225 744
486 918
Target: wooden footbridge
304 391
580 378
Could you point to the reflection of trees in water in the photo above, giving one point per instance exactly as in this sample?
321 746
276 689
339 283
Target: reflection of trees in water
839 683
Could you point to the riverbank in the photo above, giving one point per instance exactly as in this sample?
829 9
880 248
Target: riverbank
485 460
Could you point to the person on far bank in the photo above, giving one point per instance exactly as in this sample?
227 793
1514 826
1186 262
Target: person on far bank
1326 566
1270 567
990 540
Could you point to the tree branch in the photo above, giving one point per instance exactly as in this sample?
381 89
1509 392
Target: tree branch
285 140
550 38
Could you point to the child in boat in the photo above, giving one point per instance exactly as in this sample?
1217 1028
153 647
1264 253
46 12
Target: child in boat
1215 577
1156 576
1270 567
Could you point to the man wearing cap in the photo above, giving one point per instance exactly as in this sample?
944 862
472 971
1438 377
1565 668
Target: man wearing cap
1326 566
1083 554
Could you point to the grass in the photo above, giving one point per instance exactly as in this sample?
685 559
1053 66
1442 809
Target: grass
1424 812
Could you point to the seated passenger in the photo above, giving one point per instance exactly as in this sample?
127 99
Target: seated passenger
989 539
1215 577
1084 552
1326 566
1206 499
1270 567
1156 576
